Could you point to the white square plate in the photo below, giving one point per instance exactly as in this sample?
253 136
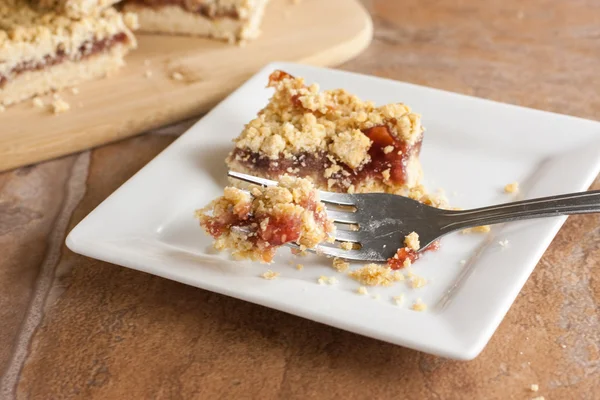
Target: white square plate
472 148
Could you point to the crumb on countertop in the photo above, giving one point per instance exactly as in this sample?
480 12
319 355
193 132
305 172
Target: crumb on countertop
362 290
340 265
418 305
412 241
38 102
60 106
534 387
177 76
477 229
270 275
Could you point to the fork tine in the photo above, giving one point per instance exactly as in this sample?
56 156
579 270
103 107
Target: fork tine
346 236
251 179
343 217
340 199
332 251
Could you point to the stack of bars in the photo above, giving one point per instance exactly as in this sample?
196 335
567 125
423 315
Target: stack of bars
48 45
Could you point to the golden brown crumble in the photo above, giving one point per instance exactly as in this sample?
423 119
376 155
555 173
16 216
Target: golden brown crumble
418 305
252 225
270 275
340 265
346 245
512 187
398 276
477 229
412 241
74 8
374 275
299 267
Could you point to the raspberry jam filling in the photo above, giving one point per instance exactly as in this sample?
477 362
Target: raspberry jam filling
87 49
404 253
265 231
314 164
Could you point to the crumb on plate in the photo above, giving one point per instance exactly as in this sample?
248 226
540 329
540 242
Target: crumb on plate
398 299
299 267
373 275
340 265
512 187
362 290
270 275
418 305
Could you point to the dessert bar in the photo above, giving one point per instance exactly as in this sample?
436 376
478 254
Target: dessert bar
231 20
43 51
73 8
333 138
254 224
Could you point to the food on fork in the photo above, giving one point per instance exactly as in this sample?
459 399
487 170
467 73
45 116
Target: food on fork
332 137
231 20
254 224
74 8
44 51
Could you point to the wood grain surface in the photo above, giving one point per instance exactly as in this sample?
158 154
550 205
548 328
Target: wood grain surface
144 95
77 328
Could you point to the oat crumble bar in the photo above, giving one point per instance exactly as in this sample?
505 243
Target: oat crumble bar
74 8
231 20
254 224
333 138
44 51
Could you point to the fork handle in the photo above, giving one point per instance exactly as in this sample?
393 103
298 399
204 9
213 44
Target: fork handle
565 204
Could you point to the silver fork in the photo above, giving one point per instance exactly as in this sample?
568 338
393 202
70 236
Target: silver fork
384 220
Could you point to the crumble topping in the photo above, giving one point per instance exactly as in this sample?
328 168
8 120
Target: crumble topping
418 305
374 275
253 225
340 265
512 187
73 8
270 275
412 241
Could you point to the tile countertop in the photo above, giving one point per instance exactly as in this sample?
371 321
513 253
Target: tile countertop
72 327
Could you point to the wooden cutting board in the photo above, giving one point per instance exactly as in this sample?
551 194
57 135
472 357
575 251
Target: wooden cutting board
319 32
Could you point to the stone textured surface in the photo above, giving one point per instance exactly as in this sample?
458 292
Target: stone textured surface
73 327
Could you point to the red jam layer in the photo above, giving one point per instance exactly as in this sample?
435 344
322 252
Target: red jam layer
404 253
87 49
